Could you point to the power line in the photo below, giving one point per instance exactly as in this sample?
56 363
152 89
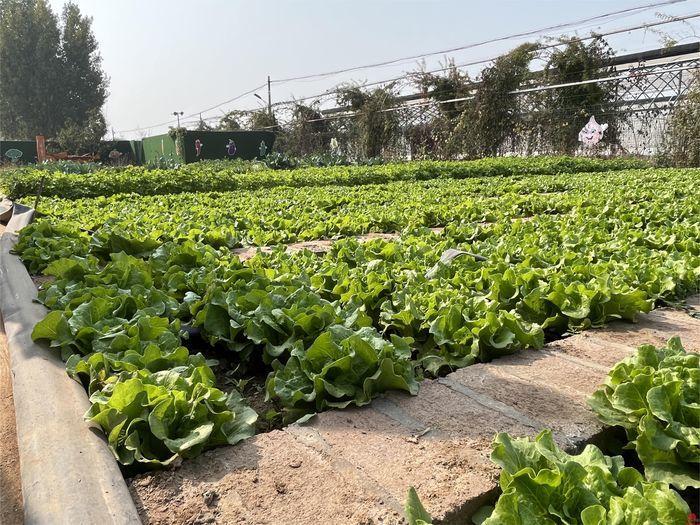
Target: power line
484 42
540 47
477 62
237 97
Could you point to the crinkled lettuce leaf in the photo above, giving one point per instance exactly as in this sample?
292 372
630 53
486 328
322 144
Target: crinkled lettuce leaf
655 396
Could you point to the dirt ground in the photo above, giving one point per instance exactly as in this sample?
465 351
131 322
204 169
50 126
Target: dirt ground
318 246
10 482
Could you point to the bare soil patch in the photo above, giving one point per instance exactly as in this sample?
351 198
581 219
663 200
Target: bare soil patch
319 245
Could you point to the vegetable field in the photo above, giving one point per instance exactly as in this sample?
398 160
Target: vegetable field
182 345
146 292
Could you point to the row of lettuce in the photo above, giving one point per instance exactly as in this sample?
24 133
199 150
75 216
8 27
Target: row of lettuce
337 329
284 215
25 182
654 396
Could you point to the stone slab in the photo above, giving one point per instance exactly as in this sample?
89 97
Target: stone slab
655 328
568 416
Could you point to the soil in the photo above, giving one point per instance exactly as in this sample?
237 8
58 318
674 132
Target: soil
41 281
319 245
10 481
252 388
248 379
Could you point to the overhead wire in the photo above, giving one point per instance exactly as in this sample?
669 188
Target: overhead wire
462 65
490 59
481 43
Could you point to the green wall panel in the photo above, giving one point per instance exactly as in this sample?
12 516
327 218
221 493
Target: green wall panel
27 147
215 144
159 146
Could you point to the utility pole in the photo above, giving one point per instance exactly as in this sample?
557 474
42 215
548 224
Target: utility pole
269 96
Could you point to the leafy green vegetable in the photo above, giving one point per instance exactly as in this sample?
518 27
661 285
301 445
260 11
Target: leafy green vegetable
43 242
23 182
543 485
156 418
342 367
655 397
415 512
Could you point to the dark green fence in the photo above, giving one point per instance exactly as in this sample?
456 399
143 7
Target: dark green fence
27 149
192 146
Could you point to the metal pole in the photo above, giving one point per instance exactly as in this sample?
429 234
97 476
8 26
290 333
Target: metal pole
38 193
269 96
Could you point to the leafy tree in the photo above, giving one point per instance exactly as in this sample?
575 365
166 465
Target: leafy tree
682 142
85 85
230 121
202 125
83 137
50 73
444 88
262 119
30 69
565 110
378 129
433 139
493 116
307 132
252 120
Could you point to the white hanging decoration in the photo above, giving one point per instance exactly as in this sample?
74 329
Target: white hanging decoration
592 133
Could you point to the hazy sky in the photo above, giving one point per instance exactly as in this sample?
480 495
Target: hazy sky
167 55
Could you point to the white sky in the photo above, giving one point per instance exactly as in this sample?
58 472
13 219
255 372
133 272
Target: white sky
167 55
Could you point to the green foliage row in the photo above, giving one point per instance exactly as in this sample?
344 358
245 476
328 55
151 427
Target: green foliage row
120 335
337 329
283 215
24 182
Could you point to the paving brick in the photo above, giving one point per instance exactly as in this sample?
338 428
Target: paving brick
549 368
568 416
590 348
654 328
457 415
452 473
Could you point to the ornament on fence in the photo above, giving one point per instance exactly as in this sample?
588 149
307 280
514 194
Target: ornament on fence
198 147
231 148
262 149
13 154
592 133
115 155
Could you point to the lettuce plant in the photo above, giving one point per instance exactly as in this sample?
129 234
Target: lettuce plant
342 367
157 418
655 396
543 485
